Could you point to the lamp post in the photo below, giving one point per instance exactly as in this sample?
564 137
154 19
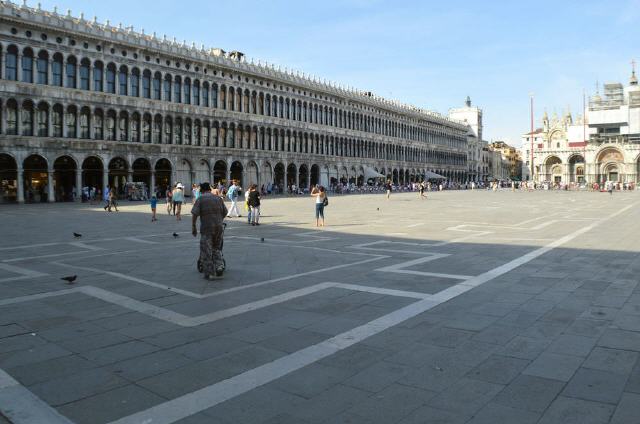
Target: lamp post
531 134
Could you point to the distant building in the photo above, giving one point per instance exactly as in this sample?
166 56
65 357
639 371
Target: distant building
609 140
478 168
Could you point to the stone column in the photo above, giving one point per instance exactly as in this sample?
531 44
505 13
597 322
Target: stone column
20 184
49 70
228 176
105 180
49 121
152 186
19 67
78 185
129 176
50 191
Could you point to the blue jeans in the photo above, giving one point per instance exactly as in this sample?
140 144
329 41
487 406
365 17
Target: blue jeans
319 210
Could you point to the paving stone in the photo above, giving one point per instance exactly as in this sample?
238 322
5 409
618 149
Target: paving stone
437 375
391 404
328 404
587 327
427 414
628 410
576 411
596 385
30 374
209 348
524 347
466 396
418 355
446 337
77 386
355 358
378 376
498 333
529 393
612 360
494 413
569 344
111 405
312 380
554 366
620 339
498 369
93 341
38 353
145 366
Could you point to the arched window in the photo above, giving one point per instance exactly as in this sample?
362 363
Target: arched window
231 95
56 118
56 70
43 120
205 94
177 90
84 74
111 78
70 121
214 95
11 64
254 100
110 131
98 123
223 97
135 82
196 93
246 98
98 69
71 72
177 131
157 129
42 65
12 117
187 131
27 118
135 127
166 88
187 90
27 65
168 130
156 85
123 126
146 84
146 128
84 122
123 76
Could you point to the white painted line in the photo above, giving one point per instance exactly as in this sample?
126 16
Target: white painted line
53 255
415 225
85 246
380 290
25 273
400 268
207 397
220 292
28 246
139 240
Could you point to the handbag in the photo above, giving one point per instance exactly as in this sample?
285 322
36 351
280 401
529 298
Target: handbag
325 202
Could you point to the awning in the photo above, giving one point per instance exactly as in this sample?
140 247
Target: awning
372 173
433 176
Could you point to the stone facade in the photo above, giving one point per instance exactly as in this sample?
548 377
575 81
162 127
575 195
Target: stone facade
84 103
609 140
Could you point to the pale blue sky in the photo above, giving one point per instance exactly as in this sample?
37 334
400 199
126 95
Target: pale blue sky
428 53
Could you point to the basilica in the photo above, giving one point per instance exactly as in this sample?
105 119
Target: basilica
599 147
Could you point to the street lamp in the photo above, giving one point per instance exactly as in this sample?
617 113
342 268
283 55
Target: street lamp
531 134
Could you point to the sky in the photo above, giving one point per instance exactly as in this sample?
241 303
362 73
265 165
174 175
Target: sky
431 54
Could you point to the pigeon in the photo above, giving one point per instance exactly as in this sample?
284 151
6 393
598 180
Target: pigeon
378 209
176 235
77 235
70 279
261 239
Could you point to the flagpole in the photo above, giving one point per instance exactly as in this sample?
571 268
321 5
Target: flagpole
532 135
584 132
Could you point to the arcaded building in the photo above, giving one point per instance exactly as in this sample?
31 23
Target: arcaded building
84 103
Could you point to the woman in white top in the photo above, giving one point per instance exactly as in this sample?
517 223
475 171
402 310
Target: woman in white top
321 201
178 200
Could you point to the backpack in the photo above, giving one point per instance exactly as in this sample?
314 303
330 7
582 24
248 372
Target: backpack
325 202
231 194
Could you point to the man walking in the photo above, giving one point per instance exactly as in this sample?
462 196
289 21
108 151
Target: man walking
212 211
232 194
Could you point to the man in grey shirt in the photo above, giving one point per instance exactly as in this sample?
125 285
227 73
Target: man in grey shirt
212 211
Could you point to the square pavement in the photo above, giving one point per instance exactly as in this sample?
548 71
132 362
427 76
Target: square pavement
468 307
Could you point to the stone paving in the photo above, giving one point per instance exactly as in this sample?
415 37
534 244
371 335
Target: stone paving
468 307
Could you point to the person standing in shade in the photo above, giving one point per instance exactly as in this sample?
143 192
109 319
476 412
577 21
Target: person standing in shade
178 200
321 201
154 205
212 211
169 196
254 204
232 194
